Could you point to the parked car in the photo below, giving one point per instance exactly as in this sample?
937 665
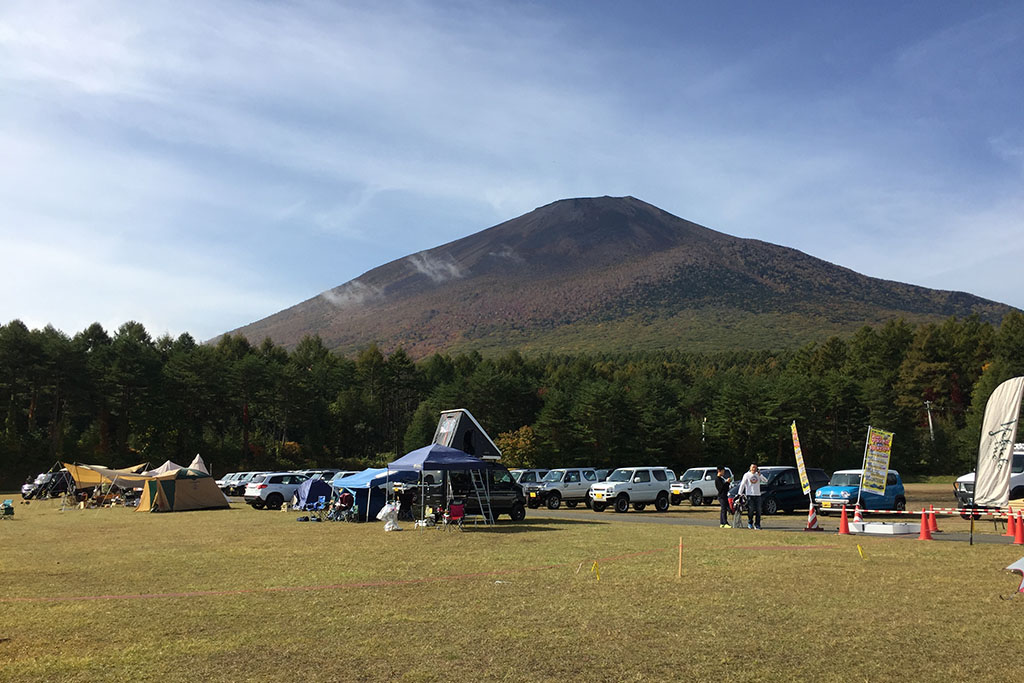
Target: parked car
569 484
783 490
506 496
527 476
273 489
237 487
844 486
963 487
226 482
636 486
325 474
698 485
48 485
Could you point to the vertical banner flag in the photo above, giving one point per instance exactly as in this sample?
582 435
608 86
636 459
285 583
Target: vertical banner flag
805 484
876 461
998 432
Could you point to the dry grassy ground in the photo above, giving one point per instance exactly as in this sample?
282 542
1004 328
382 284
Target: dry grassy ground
243 594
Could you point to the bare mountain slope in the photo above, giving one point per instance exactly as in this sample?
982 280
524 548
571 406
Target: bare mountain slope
607 273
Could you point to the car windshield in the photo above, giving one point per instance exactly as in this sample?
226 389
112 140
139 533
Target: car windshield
621 475
692 475
845 479
1018 463
554 475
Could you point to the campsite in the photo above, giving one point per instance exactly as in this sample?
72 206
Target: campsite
237 594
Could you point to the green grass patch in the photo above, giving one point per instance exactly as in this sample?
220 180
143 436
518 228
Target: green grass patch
244 594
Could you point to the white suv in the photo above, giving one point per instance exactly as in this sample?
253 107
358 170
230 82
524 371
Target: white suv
698 484
273 489
636 486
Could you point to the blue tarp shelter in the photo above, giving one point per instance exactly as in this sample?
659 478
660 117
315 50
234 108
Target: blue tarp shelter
369 488
437 457
310 491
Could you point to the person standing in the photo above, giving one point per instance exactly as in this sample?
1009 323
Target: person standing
750 486
722 484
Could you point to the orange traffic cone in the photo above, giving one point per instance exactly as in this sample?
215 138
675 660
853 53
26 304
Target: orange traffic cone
812 520
1018 537
1011 525
844 523
933 523
926 534
858 518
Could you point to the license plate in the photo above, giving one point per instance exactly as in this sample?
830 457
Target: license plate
533 494
598 496
826 504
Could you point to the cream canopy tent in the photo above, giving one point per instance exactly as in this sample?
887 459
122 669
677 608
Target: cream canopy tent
198 464
175 489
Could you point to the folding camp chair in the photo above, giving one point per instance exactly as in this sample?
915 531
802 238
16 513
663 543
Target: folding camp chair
455 515
7 509
319 508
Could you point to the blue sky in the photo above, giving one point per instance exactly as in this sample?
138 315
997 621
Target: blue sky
199 165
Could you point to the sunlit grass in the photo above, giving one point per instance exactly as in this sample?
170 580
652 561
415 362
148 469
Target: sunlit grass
272 598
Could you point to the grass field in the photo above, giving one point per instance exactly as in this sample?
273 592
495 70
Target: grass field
95 595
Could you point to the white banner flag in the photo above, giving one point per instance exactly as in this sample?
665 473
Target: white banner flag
995 454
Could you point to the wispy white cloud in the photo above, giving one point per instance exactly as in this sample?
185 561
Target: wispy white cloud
352 293
438 269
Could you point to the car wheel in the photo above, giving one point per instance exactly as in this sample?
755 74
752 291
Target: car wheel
274 501
554 501
661 504
901 504
696 499
598 507
675 500
257 504
622 503
771 506
518 513
1017 493
532 505
639 507
571 504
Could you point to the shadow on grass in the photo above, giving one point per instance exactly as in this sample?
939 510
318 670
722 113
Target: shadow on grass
531 525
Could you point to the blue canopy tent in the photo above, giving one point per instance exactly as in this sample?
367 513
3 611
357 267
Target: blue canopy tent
310 491
369 488
446 459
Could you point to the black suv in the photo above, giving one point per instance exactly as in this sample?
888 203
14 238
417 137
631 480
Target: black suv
507 497
783 491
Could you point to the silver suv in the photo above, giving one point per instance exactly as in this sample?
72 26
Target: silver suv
569 484
636 486
273 489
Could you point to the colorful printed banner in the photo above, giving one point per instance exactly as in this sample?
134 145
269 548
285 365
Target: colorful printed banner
805 483
876 461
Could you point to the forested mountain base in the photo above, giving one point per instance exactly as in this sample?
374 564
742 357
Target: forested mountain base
124 399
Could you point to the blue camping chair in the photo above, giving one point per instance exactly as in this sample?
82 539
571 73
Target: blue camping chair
7 510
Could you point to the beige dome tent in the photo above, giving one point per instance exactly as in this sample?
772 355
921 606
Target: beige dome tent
183 489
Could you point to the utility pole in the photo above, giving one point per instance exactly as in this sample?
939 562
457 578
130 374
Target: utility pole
931 427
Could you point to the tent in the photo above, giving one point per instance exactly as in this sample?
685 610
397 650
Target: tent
459 429
199 464
437 457
181 489
86 476
310 491
369 488
168 466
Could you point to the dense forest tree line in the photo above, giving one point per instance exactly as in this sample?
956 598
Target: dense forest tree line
126 398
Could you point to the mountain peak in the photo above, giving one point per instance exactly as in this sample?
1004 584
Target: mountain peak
604 273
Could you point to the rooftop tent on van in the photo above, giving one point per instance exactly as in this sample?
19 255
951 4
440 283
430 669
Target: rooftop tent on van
459 429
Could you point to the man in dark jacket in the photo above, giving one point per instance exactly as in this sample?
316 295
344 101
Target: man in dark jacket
722 484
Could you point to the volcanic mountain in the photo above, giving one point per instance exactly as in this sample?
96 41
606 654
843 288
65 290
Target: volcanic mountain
605 274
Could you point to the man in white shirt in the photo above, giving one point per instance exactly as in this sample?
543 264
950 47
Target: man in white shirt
750 486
